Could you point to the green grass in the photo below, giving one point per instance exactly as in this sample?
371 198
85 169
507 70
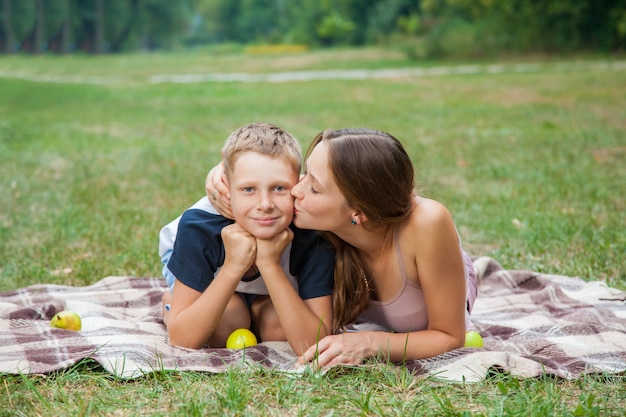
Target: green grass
532 166
381 391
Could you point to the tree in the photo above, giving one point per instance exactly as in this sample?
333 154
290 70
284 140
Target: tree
163 23
462 27
7 29
121 34
22 15
38 30
99 27
66 28
57 25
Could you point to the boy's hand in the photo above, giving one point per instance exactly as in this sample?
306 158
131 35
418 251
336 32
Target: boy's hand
216 188
240 248
269 251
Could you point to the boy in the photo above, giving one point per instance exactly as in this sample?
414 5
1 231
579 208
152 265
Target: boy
259 271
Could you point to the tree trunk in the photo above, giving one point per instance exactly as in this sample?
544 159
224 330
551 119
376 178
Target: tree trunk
99 24
66 30
131 24
9 37
39 28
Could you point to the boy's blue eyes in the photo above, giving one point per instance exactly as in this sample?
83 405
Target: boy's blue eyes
279 188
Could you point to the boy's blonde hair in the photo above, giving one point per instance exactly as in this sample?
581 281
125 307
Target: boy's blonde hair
264 138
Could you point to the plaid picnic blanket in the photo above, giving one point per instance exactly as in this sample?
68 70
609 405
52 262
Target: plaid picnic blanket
531 323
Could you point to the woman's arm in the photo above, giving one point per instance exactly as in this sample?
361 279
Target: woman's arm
441 275
441 272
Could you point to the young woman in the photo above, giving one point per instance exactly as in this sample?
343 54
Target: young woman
399 261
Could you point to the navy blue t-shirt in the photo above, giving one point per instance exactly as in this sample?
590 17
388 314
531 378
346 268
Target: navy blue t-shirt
199 253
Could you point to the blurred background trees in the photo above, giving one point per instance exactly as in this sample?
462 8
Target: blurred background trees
422 28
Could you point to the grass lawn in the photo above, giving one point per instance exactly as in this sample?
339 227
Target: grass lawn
96 158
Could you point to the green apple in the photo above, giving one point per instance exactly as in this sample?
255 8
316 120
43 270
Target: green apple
473 339
241 338
66 319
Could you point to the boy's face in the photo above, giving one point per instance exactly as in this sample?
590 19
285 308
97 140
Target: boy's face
260 189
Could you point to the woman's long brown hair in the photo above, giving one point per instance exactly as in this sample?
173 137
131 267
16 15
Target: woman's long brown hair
376 176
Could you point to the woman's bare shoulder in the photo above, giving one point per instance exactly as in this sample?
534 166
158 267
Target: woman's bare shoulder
428 213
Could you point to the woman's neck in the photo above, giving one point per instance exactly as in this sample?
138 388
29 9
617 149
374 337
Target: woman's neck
371 244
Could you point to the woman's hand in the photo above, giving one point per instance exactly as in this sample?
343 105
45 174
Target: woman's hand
217 190
339 349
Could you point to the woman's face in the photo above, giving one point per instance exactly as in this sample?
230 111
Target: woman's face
319 204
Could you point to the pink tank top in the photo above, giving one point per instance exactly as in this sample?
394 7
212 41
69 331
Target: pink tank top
406 311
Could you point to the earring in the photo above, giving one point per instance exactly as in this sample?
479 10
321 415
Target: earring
353 222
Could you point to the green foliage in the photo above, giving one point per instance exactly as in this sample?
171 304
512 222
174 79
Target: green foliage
163 22
525 25
382 20
427 28
55 12
23 17
334 28
125 23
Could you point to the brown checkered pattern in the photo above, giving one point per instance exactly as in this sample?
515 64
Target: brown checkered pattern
532 324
